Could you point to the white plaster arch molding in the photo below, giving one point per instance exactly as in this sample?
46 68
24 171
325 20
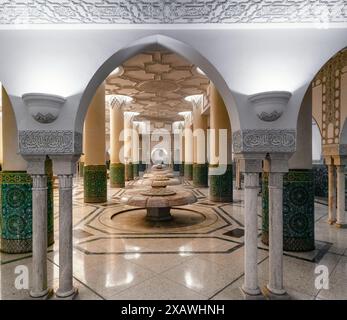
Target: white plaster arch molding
248 60
186 51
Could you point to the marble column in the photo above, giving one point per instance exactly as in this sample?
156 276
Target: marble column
188 146
117 168
37 170
341 195
251 170
64 167
331 194
220 184
200 164
275 284
95 172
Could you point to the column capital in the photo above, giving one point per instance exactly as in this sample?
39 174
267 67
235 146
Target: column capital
250 163
36 164
64 164
279 162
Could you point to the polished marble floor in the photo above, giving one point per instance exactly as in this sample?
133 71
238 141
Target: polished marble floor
118 255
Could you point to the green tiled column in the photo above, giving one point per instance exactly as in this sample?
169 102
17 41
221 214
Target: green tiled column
182 169
188 171
80 168
129 172
135 170
200 175
117 175
221 186
176 167
95 183
16 211
298 210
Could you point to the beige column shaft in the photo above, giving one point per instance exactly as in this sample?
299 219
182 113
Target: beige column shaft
188 141
135 147
127 137
219 119
116 127
94 130
12 161
199 130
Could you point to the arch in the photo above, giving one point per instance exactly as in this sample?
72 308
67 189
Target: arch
176 46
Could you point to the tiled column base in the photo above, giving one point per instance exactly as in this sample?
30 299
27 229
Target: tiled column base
117 175
80 168
221 186
142 166
135 170
176 167
200 175
16 211
188 171
129 172
95 183
298 210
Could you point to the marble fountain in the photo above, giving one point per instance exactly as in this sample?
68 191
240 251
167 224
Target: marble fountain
159 198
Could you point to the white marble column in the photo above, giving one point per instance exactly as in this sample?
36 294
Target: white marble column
251 187
340 183
66 288
275 284
332 194
36 169
39 268
64 167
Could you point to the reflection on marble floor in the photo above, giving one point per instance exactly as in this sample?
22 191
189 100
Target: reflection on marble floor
119 255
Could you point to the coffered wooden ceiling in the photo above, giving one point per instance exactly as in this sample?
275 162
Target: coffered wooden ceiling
158 81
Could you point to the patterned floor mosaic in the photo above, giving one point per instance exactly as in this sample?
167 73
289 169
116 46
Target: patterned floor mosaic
199 255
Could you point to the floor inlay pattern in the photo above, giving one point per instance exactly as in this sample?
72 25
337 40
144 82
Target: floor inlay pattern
198 255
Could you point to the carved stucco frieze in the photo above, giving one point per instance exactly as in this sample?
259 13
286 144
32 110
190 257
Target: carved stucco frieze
174 11
264 140
32 142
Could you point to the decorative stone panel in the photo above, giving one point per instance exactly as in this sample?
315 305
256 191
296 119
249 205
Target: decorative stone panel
174 11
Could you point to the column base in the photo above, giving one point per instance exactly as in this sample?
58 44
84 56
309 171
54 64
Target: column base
200 175
117 175
44 295
70 295
254 295
298 210
331 222
273 294
188 171
181 169
95 184
221 186
341 225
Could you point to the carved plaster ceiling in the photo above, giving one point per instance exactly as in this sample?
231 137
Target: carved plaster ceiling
158 81
171 11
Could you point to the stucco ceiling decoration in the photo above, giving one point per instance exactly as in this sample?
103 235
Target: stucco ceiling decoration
171 11
158 82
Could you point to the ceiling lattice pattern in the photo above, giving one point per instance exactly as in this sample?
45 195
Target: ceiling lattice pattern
158 82
171 11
